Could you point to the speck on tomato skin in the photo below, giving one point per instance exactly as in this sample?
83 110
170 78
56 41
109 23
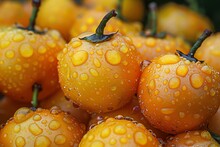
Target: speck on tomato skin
176 95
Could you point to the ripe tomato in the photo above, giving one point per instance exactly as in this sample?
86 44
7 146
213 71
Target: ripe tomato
41 128
99 76
194 138
121 133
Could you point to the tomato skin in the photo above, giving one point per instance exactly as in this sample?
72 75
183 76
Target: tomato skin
172 18
192 138
177 95
209 51
131 110
106 76
121 133
214 122
57 14
59 99
41 128
27 58
151 47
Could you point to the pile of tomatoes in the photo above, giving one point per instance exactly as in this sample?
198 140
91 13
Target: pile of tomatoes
80 73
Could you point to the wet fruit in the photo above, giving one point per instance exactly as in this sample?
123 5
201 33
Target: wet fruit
99 72
41 128
57 14
193 138
210 51
12 12
172 18
27 57
214 122
179 93
115 132
58 99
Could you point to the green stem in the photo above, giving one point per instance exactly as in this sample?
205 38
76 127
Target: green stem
101 27
190 55
36 89
99 36
36 4
152 18
198 43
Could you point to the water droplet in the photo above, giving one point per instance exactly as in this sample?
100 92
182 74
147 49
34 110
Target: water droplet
42 49
18 37
105 133
84 77
114 88
182 70
94 72
206 69
196 80
26 50
10 54
75 74
99 52
181 114
22 114
206 135
17 128
90 137
116 76
42 141
167 110
20 141
124 49
113 57
115 43
184 88
167 70
212 92
96 62
76 44
18 67
90 20
120 130
150 42
112 141
168 59
79 58
51 44
60 139
140 138
97 143
189 142
174 82
123 140
177 93
196 116
152 84
4 44
54 125
35 129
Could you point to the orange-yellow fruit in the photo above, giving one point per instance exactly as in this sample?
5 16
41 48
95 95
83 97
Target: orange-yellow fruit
12 12
89 21
151 47
8 108
131 111
57 14
193 138
181 21
132 10
209 51
41 128
27 58
121 133
99 77
214 123
101 5
177 95
59 99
